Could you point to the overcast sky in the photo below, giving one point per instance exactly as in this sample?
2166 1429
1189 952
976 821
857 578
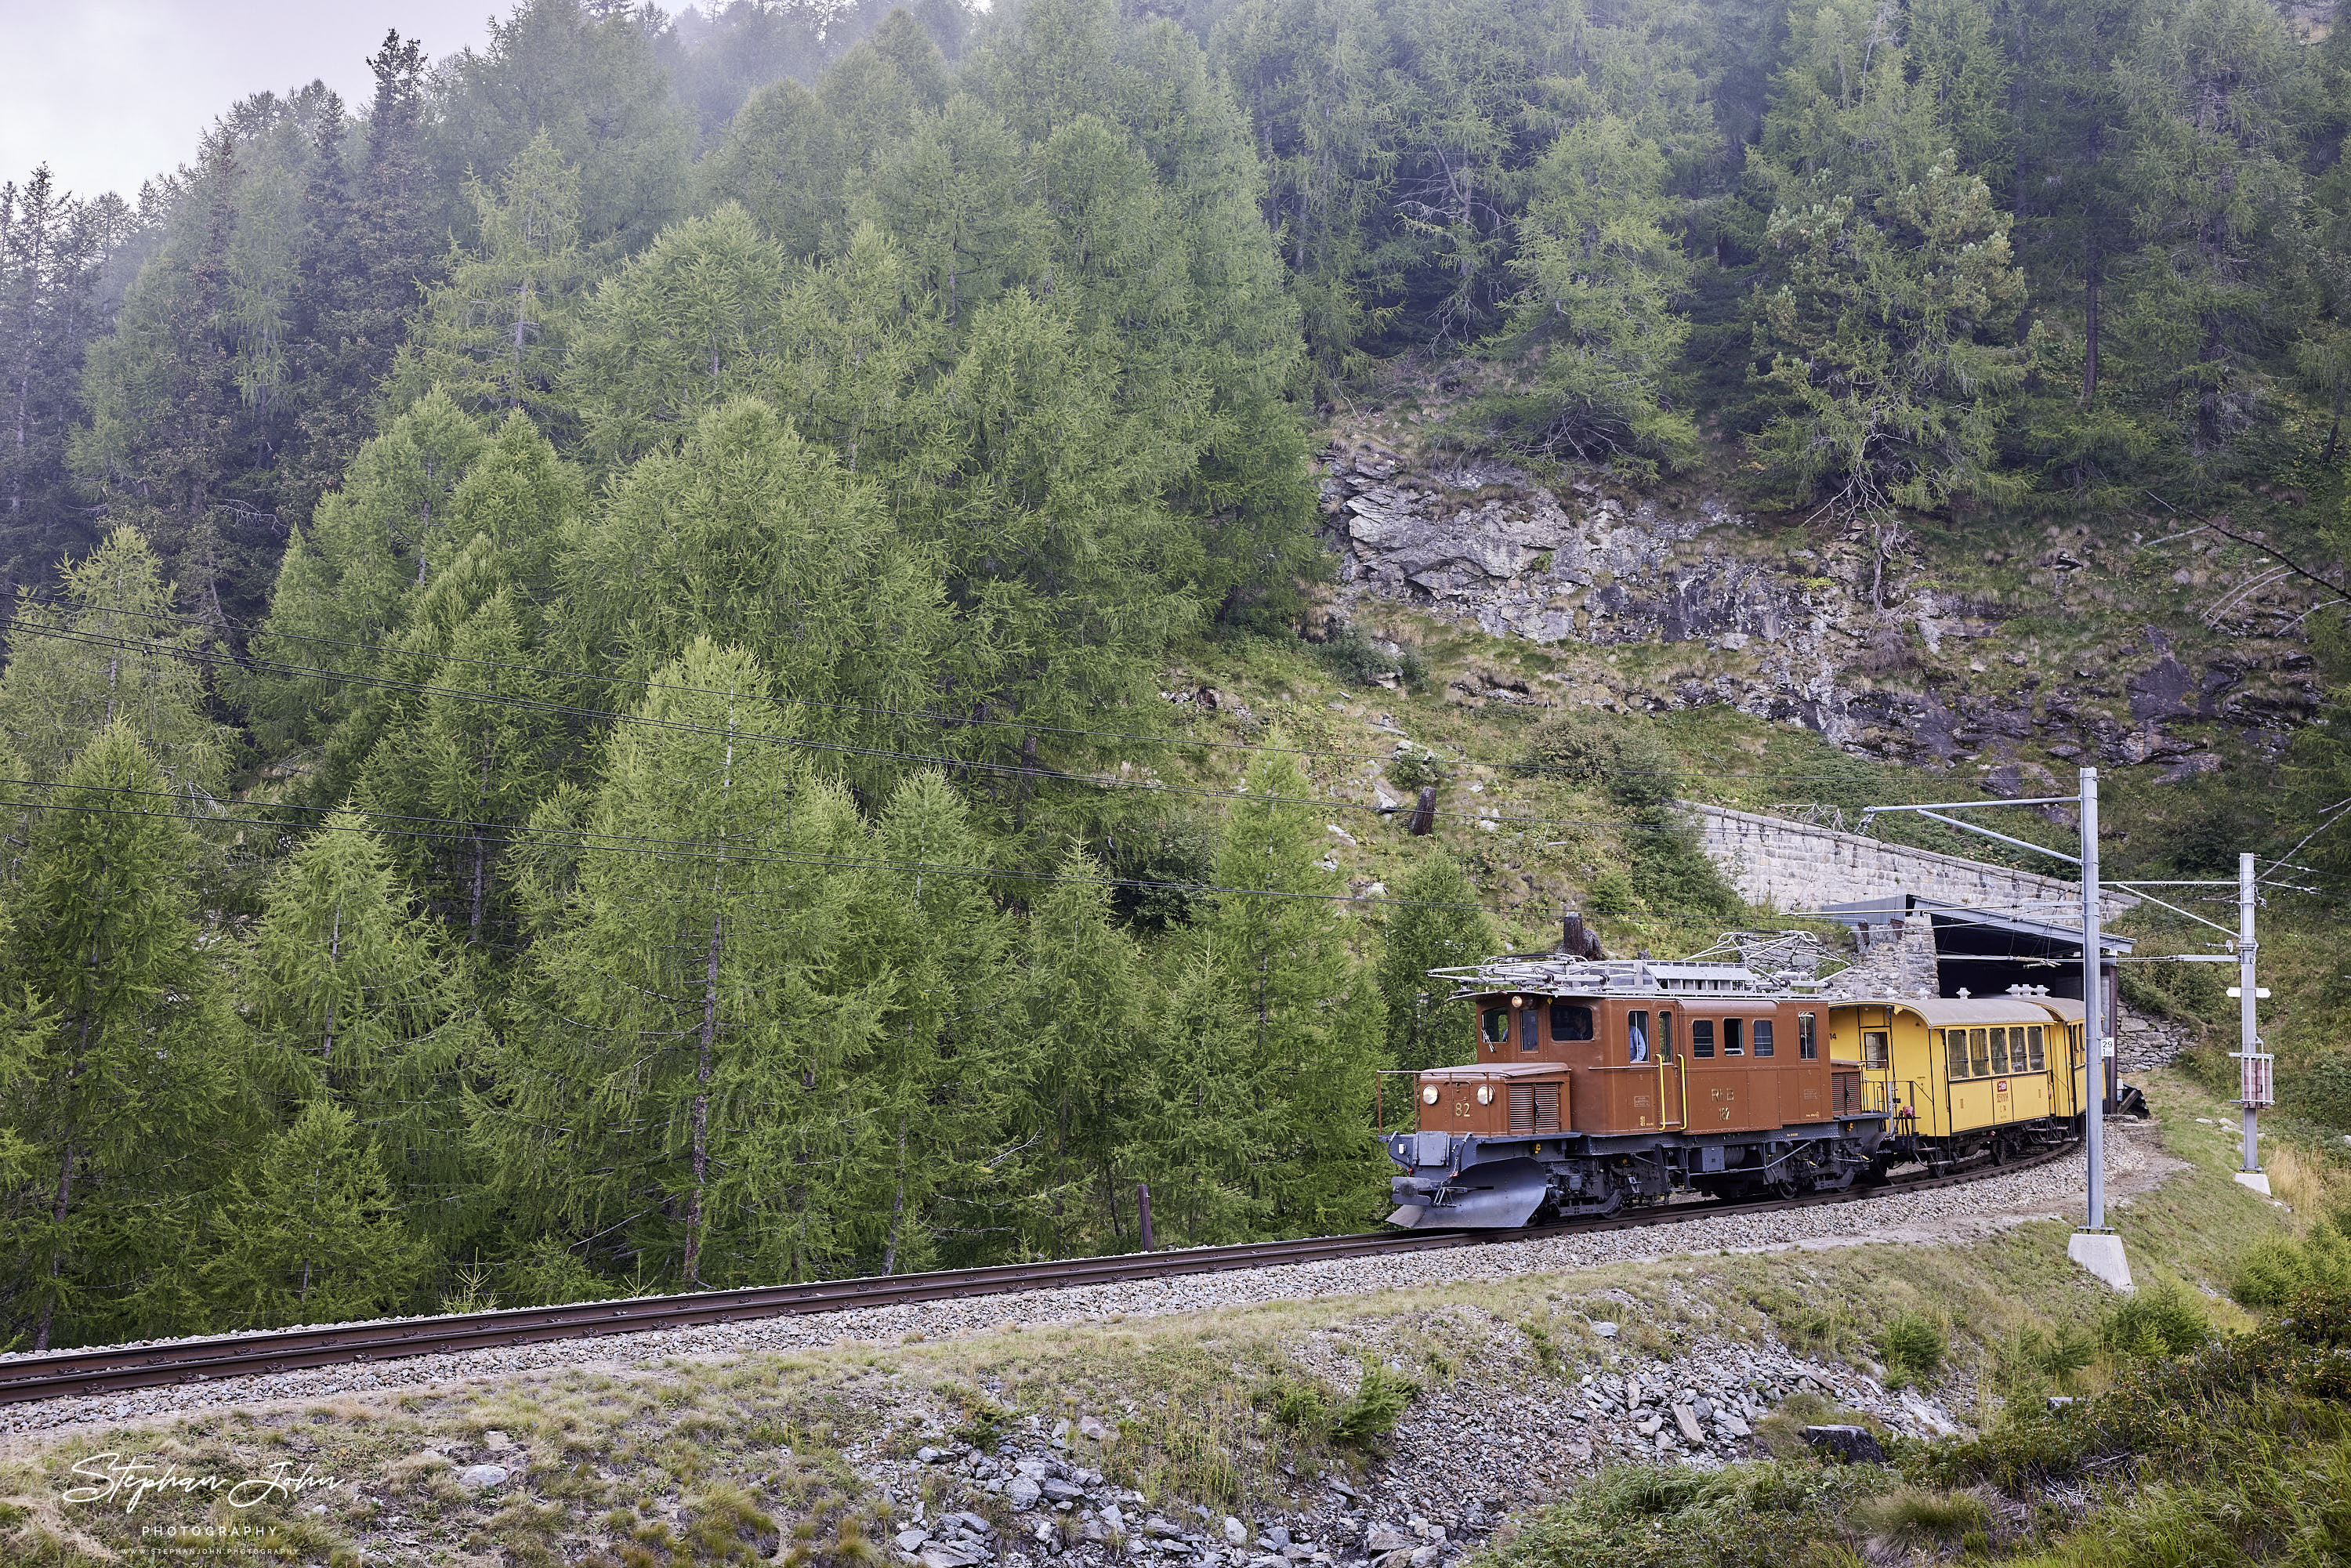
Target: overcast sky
107 92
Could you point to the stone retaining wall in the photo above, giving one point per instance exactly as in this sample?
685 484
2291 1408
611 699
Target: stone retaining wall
1790 865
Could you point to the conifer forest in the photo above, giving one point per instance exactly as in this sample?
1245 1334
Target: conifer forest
583 704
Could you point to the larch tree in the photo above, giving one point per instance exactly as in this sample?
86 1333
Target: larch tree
130 1066
679 1087
1433 923
1311 1018
354 1002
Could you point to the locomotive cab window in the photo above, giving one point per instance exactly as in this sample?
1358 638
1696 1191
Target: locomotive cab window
1731 1045
1570 1020
1873 1046
1637 1035
1763 1037
1701 1037
1808 1047
1665 1037
2040 1062
1527 1030
1954 1041
1494 1024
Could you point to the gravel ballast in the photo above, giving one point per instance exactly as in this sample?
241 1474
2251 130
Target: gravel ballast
1943 1215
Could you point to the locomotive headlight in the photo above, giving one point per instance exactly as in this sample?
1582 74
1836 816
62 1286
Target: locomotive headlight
1428 1095
1485 1094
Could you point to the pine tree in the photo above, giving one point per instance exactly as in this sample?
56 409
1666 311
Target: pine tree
1192 1130
343 585
750 534
51 249
2221 280
1433 923
367 252
163 400
1072 1066
130 1086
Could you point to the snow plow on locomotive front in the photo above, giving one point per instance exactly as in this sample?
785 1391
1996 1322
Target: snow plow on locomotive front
1604 1083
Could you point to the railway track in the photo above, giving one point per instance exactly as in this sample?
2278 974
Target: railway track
113 1369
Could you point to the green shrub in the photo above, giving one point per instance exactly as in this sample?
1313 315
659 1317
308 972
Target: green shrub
1912 1346
1612 893
985 1427
1379 1402
1297 1404
2272 1272
1623 757
2320 1091
1414 767
2162 1321
1768 1515
2034 1360
1362 661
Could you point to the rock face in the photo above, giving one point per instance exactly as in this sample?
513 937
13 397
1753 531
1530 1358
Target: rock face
1849 636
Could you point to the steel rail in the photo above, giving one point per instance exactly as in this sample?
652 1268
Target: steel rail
117 1368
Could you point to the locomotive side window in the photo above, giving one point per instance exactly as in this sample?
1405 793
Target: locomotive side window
1956 1042
1763 1037
1701 1037
1978 1054
1570 1022
1665 1037
1527 1030
1637 1035
1494 1023
1807 1044
2033 1046
1730 1032
1873 1045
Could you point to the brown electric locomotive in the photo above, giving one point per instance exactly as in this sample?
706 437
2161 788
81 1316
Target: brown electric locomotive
1604 1082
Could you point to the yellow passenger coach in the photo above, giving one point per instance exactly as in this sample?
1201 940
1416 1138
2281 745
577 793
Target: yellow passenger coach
1967 1079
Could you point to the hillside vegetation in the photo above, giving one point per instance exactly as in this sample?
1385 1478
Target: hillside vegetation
694 650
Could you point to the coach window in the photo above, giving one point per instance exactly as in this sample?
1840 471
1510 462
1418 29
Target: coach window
1570 1022
1763 1037
2000 1053
1808 1047
2033 1046
1978 1054
1527 1028
1665 1037
1494 1024
1873 1046
1956 1040
1701 1037
1732 1029
1637 1035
